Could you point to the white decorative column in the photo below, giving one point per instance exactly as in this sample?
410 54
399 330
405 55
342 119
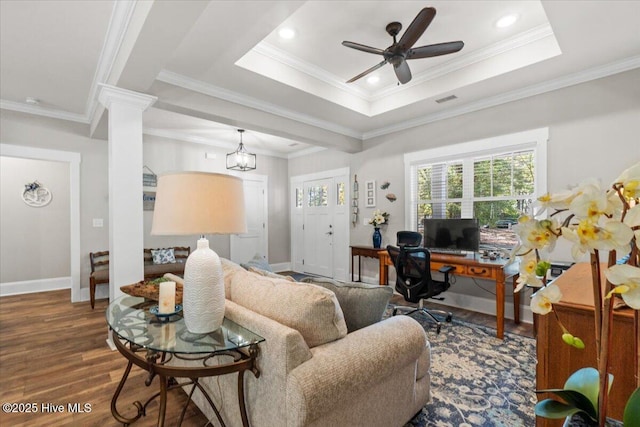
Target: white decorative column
126 231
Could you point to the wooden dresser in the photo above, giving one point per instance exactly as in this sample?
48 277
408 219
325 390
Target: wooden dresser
556 360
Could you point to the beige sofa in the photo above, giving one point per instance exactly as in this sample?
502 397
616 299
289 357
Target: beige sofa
313 371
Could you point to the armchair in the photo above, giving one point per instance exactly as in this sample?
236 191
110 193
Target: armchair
414 281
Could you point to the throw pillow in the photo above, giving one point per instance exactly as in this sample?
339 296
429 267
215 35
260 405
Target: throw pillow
257 261
362 304
311 310
163 256
229 268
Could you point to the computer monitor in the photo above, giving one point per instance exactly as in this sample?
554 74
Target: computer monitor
462 234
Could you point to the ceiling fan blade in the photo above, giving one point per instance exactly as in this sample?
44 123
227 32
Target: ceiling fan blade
370 70
363 48
402 71
434 50
417 27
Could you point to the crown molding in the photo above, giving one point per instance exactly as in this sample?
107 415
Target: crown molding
251 102
276 54
43 111
111 94
514 95
118 24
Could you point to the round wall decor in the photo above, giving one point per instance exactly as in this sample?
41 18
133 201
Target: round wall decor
35 195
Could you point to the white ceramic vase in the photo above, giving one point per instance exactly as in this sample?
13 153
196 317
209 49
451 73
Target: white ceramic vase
203 292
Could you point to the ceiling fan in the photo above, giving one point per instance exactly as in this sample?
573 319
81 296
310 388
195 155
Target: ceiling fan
400 51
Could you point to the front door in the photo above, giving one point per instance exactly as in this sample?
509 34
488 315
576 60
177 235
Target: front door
318 228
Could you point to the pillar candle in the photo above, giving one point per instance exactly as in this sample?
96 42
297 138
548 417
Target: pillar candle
167 303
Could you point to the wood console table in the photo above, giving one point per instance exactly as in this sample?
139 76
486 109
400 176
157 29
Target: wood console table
471 266
368 252
556 361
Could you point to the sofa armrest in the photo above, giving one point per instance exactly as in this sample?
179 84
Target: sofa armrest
352 365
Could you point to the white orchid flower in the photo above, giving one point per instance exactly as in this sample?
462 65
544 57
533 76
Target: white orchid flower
627 281
542 301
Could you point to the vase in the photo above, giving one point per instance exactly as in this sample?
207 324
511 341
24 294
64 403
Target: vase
377 238
577 420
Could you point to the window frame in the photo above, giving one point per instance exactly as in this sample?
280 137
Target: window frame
535 140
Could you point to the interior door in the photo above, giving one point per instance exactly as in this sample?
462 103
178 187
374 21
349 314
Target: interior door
245 246
318 229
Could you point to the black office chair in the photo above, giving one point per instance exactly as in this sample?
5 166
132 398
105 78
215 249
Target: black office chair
414 281
408 238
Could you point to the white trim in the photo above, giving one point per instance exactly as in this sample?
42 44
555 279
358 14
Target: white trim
514 95
113 94
32 286
74 160
43 111
118 24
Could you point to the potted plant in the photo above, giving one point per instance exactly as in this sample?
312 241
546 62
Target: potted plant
593 220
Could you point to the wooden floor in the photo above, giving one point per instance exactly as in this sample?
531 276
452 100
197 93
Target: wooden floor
54 352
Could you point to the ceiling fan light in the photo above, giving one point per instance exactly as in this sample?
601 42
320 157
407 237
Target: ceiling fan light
507 20
287 33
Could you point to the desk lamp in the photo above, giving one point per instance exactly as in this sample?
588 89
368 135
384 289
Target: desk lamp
199 203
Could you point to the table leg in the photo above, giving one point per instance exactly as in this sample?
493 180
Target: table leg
359 268
384 273
500 306
163 400
243 409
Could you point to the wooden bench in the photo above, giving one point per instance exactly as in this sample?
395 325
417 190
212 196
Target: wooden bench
100 267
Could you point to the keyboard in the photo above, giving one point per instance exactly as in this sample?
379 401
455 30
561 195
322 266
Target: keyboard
444 251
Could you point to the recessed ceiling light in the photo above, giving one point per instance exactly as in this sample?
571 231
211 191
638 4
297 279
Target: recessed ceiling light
507 20
373 80
32 101
287 33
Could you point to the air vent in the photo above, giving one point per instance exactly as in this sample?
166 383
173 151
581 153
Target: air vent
446 99
293 144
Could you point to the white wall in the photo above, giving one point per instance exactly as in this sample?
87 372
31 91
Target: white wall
594 131
35 240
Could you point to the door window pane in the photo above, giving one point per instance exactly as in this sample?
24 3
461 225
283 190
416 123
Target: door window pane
318 196
340 193
299 197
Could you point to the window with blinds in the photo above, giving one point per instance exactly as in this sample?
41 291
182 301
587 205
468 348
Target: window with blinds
495 185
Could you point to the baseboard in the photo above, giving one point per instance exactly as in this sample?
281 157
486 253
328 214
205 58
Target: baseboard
282 266
31 286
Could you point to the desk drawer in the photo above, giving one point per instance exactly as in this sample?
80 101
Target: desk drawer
478 271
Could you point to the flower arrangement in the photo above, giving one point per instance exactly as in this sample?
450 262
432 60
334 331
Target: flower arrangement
593 220
379 218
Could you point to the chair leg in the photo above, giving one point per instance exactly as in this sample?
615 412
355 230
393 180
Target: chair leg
92 292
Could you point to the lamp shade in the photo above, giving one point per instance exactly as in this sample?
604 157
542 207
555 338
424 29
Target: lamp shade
200 203
197 203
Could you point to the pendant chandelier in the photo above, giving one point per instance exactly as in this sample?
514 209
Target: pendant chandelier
241 159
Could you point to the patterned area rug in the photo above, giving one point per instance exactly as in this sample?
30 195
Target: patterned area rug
477 379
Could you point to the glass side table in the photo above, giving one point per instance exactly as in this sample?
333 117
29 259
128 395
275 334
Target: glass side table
152 342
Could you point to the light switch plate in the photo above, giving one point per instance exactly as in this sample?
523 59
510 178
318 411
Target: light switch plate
98 222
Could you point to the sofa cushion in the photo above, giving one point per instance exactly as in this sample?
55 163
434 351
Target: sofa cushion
257 261
362 304
311 310
228 268
163 256
270 274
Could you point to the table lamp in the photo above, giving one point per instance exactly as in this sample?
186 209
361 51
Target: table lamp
200 203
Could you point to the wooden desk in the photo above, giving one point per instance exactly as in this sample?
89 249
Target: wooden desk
476 267
367 252
556 360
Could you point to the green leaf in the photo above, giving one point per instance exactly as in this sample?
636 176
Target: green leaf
631 417
575 400
587 382
550 408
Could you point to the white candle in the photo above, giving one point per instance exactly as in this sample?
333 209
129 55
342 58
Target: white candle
167 303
